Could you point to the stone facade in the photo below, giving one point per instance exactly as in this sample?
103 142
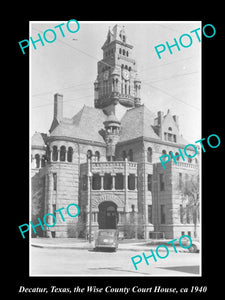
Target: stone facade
110 167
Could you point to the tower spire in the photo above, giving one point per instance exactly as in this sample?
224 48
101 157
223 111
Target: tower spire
117 82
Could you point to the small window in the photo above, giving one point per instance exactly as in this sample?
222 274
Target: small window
163 213
54 181
84 182
161 182
70 154
181 214
54 153
119 181
131 182
96 182
89 154
97 156
62 153
171 154
149 213
180 180
149 182
170 128
149 155
37 158
107 181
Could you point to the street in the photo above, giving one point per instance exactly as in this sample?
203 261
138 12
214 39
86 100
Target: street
75 262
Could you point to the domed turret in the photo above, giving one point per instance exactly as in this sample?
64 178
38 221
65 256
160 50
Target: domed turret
38 151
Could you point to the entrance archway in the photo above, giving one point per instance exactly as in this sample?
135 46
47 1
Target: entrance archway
107 216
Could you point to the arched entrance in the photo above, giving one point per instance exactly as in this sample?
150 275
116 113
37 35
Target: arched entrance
107 216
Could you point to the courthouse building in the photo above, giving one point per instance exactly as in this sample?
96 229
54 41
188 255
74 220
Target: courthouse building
111 166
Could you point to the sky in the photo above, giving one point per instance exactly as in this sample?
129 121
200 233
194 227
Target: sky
69 66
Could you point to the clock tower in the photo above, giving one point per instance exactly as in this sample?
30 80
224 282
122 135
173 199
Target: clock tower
117 82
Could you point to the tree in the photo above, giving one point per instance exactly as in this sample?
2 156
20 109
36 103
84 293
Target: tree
190 192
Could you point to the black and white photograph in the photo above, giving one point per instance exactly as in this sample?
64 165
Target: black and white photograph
118 140
115 181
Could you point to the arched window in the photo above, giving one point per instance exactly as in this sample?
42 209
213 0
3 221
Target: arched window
70 154
149 155
89 154
171 153
97 155
62 153
54 153
178 157
37 158
164 152
123 52
43 160
127 53
130 155
120 51
170 128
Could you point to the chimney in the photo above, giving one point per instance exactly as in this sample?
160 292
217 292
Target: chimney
160 119
58 107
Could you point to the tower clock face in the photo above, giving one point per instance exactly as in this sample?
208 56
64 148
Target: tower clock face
106 75
126 74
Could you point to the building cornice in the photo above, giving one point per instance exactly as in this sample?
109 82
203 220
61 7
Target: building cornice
51 139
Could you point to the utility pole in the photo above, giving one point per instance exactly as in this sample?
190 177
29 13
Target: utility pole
89 161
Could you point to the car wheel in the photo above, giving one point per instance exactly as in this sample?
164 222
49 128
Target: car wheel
193 248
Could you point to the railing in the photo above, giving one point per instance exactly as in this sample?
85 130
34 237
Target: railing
111 166
186 165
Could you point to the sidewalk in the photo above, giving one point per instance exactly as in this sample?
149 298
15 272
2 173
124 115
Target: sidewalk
81 244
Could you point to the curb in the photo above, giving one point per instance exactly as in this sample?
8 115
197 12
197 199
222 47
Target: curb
91 248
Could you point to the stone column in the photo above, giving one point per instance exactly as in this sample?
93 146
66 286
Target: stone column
102 181
113 181
50 156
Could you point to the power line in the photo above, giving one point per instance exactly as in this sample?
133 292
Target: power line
174 97
79 50
47 104
171 77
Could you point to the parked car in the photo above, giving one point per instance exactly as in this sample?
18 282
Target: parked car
107 238
195 247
